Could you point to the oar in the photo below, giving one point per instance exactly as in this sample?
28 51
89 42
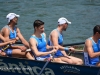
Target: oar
49 59
69 53
4 48
7 46
44 66
76 50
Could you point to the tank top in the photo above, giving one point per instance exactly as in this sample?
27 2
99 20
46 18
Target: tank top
41 45
12 34
91 61
60 42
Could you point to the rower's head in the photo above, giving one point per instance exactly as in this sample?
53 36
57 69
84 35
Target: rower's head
96 30
38 26
12 18
63 22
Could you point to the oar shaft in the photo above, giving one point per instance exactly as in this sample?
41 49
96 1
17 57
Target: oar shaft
44 66
49 59
77 50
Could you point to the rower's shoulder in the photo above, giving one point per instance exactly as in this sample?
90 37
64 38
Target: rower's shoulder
4 29
32 40
88 42
54 32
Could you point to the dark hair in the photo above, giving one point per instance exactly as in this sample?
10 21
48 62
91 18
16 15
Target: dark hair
38 23
96 29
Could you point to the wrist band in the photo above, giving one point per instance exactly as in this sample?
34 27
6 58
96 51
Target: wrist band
66 48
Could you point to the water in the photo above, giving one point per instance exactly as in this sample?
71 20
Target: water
84 15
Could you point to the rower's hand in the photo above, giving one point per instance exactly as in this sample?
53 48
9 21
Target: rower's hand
71 49
12 42
16 38
23 48
54 51
55 47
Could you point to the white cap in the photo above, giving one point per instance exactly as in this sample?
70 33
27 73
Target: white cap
63 20
10 16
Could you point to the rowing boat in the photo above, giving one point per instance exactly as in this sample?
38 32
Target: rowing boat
19 66
16 66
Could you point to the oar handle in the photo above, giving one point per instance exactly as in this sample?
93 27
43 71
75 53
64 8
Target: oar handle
7 46
77 50
53 54
69 53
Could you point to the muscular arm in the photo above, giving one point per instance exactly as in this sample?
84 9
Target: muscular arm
89 49
5 33
2 38
20 36
47 46
33 46
4 43
54 39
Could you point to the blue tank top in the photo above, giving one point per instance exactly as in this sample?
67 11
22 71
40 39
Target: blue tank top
12 34
92 61
41 44
60 42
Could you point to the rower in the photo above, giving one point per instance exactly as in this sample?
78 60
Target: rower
92 48
38 43
56 39
4 45
10 32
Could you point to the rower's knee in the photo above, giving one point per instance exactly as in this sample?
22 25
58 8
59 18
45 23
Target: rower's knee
67 60
3 54
70 62
79 62
58 60
29 56
98 64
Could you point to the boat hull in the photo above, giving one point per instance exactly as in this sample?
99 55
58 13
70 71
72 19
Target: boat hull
15 66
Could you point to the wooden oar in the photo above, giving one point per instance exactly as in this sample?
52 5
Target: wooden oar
76 50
